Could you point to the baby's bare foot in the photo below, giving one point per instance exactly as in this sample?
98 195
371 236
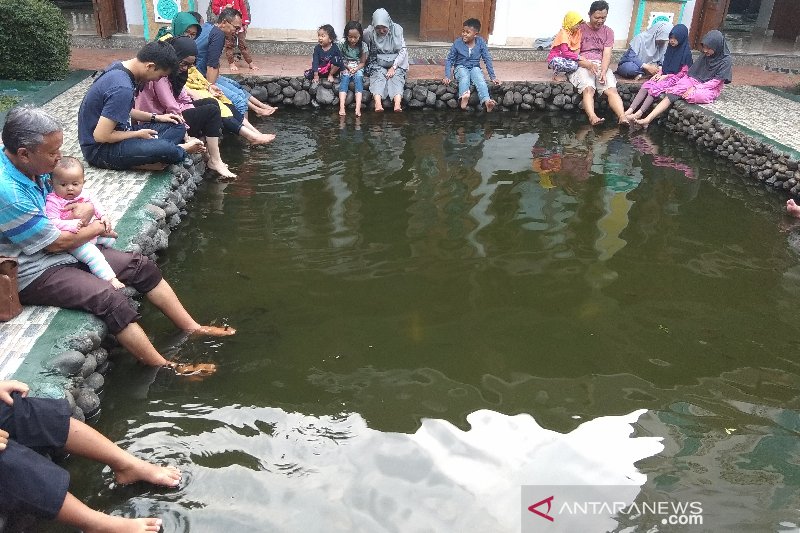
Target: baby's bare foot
117 283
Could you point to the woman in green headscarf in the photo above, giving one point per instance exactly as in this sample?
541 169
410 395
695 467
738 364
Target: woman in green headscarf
184 23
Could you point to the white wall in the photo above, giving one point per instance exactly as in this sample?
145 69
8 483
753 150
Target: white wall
517 22
291 15
133 12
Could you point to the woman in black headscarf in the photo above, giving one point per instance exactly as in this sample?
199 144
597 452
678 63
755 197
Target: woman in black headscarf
705 79
202 117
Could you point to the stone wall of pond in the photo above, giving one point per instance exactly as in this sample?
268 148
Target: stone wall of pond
754 157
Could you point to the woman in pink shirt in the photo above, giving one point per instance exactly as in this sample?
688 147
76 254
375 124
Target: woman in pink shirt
201 117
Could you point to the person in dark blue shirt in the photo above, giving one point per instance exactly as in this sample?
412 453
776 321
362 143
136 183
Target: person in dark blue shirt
107 136
465 56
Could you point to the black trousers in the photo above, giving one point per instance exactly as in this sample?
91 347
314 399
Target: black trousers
204 119
30 483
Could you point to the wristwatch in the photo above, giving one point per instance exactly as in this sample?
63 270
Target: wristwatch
152 117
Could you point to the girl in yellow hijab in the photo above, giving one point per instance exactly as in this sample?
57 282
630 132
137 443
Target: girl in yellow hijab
564 56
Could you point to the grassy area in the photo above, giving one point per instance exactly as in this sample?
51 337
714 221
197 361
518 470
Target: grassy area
7 102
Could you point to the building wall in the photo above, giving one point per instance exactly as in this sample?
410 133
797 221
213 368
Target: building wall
517 22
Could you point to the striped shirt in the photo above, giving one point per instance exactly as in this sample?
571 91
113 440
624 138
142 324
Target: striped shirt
25 230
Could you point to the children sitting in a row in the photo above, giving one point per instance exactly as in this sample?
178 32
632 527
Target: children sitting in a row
348 58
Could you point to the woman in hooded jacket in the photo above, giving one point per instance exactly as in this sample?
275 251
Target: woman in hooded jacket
388 60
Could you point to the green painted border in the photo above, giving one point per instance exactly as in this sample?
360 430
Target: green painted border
780 92
51 90
145 22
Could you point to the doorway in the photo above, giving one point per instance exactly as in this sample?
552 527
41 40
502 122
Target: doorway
94 17
404 12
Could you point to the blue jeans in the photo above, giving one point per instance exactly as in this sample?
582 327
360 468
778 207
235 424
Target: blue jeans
235 93
358 80
475 74
132 153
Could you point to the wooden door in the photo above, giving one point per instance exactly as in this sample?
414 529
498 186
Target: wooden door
354 10
434 20
708 15
105 17
442 20
785 19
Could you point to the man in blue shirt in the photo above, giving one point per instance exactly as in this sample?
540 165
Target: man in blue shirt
48 275
465 55
107 137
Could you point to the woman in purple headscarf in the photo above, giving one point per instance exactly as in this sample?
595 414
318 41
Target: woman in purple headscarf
705 79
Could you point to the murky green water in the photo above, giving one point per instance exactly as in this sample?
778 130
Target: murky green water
429 266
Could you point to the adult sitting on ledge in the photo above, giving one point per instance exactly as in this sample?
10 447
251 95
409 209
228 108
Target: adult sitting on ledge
593 74
104 119
388 60
32 484
48 274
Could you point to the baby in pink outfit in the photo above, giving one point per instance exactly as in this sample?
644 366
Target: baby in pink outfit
67 180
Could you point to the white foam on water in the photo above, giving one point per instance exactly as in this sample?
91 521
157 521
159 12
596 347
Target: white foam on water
262 469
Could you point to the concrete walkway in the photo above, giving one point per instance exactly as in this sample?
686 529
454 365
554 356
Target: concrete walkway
768 113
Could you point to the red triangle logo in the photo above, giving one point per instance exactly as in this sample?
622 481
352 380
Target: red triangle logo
549 502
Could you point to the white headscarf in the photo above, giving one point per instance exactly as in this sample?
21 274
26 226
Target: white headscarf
645 45
391 43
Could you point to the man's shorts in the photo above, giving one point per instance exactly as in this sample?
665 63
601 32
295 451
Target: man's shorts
582 79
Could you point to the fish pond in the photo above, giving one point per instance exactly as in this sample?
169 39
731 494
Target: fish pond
440 314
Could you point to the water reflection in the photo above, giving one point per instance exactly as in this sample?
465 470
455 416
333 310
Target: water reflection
264 469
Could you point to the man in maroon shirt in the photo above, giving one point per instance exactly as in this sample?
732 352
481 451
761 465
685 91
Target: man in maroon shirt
593 73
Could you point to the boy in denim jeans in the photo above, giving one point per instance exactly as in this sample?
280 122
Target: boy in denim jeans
465 55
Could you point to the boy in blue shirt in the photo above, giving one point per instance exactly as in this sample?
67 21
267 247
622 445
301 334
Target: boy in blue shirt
465 55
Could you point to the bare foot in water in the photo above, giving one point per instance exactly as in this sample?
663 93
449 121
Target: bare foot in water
594 120
464 100
214 331
643 122
265 111
220 168
792 209
378 108
490 105
140 470
117 524
264 138
192 370
398 109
